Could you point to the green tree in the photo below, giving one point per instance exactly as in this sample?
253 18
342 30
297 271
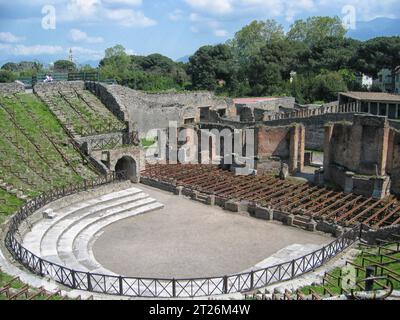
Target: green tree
212 65
377 54
10 66
6 76
23 68
116 64
251 38
161 65
332 54
326 86
317 29
272 66
64 66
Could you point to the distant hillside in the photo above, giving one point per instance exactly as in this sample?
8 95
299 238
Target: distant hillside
184 59
380 27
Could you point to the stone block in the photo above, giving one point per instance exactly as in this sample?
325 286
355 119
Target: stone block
211 200
234 206
349 182
312 226
319 178
179 191
49 214
289 220
381 188
264 213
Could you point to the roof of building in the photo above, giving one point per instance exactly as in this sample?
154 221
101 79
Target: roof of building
372 96
253 100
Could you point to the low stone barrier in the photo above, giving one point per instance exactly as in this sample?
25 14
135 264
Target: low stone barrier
11 88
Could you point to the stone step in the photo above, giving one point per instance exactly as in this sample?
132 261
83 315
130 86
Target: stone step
58 249
65 227
33 239
63 242
82 245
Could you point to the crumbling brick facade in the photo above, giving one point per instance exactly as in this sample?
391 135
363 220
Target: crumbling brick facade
362 157
284 143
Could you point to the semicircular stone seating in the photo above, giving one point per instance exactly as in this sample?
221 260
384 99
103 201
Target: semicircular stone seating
66 238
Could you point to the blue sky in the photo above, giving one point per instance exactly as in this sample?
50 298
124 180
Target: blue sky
174 28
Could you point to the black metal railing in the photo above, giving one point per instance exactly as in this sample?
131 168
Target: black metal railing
160 288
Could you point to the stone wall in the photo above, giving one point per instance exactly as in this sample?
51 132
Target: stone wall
111 157
393 164
256 111
273 142
315 127
363 156
372 237
154 111
283 142
11 88
58 86
111 101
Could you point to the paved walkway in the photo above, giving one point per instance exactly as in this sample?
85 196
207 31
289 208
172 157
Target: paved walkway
189 239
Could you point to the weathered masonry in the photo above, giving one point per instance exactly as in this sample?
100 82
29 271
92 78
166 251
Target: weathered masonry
146 112
363 157
286 144
376 103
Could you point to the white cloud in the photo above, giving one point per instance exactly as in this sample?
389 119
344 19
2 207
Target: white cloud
33 50
84 8
176 15
81 53
131 52
212 6
127 2
119 11
10 38
271 8
366 9
77 35
130 18
221 33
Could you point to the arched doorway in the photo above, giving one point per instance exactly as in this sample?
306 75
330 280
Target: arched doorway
126 167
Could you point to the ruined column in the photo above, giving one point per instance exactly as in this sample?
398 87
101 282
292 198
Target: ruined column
383 149
349 182
327 150
302 147
294 150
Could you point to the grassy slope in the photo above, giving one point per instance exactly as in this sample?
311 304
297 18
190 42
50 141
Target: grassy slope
21 155
32 154
335 288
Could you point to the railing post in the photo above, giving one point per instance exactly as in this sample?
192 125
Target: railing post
173 288
225 285
121 286
89 282
252 280
73 279
293 268
41 267
361 232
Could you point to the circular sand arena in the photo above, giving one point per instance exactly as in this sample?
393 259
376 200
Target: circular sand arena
187 239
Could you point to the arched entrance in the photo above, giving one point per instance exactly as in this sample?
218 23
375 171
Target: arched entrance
126 166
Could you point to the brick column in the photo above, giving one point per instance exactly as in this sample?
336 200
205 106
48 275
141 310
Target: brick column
383 149
294 150
327 150
302 147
